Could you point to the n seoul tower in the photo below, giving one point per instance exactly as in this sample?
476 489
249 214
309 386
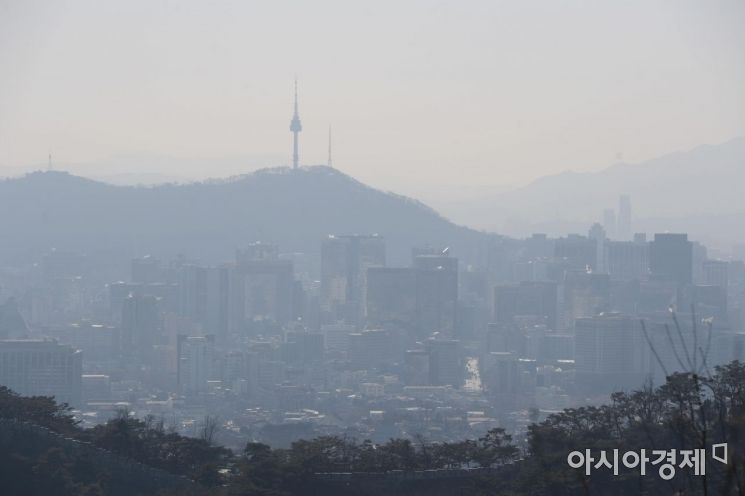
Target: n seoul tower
295 127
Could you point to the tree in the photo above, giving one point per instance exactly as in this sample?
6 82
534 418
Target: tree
495 448
40 410
210 427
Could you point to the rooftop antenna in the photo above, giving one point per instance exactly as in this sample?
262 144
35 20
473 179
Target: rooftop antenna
49 164
329 163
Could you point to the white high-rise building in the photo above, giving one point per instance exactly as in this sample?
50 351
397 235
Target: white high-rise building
196 360
623 227
42 368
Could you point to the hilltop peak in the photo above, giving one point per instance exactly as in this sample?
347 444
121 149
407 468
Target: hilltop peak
294 208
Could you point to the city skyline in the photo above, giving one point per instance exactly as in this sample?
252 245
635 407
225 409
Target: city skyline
522 260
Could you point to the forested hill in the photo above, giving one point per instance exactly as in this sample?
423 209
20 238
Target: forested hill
208 220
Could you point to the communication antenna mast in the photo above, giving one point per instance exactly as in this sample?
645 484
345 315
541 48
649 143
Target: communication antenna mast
329 162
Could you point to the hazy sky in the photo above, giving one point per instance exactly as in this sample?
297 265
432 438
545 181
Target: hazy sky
422 95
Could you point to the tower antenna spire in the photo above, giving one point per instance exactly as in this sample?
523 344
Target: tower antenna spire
295 128
329 163
295 95
49 164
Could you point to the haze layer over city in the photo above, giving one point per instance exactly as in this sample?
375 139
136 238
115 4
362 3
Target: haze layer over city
402 248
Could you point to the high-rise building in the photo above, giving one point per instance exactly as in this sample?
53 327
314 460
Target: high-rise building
371 348
671 258
598 234
505 337
623 229
42 368
141 325
196 363
707 301
609 222
437 293
529 298
716 273
344 263
586 294
262 287
392 298
611 353
445 365
420 300
204 297
627 260
579 252
336 336
302 347
500 373
538 247
417 368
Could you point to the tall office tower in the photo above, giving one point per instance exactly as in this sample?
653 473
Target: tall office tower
578 252
628 260
371 348
196 363
708 301
437 292
671 258
262 287
302 347
609 223
506 337
445 365
700 256
416 368
420 300
344 264
586 294
42 368
716 273
527 299
141 326
336 336
611 353
204 297
295 128
623 229
597 233
118 292
500 374
392 299
538 245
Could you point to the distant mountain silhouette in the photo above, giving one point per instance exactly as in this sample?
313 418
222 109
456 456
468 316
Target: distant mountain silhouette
209 220
680 190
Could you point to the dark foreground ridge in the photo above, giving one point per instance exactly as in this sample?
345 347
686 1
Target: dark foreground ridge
56 453
43 451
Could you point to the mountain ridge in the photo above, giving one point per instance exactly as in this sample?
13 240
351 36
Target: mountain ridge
208 220
706 180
